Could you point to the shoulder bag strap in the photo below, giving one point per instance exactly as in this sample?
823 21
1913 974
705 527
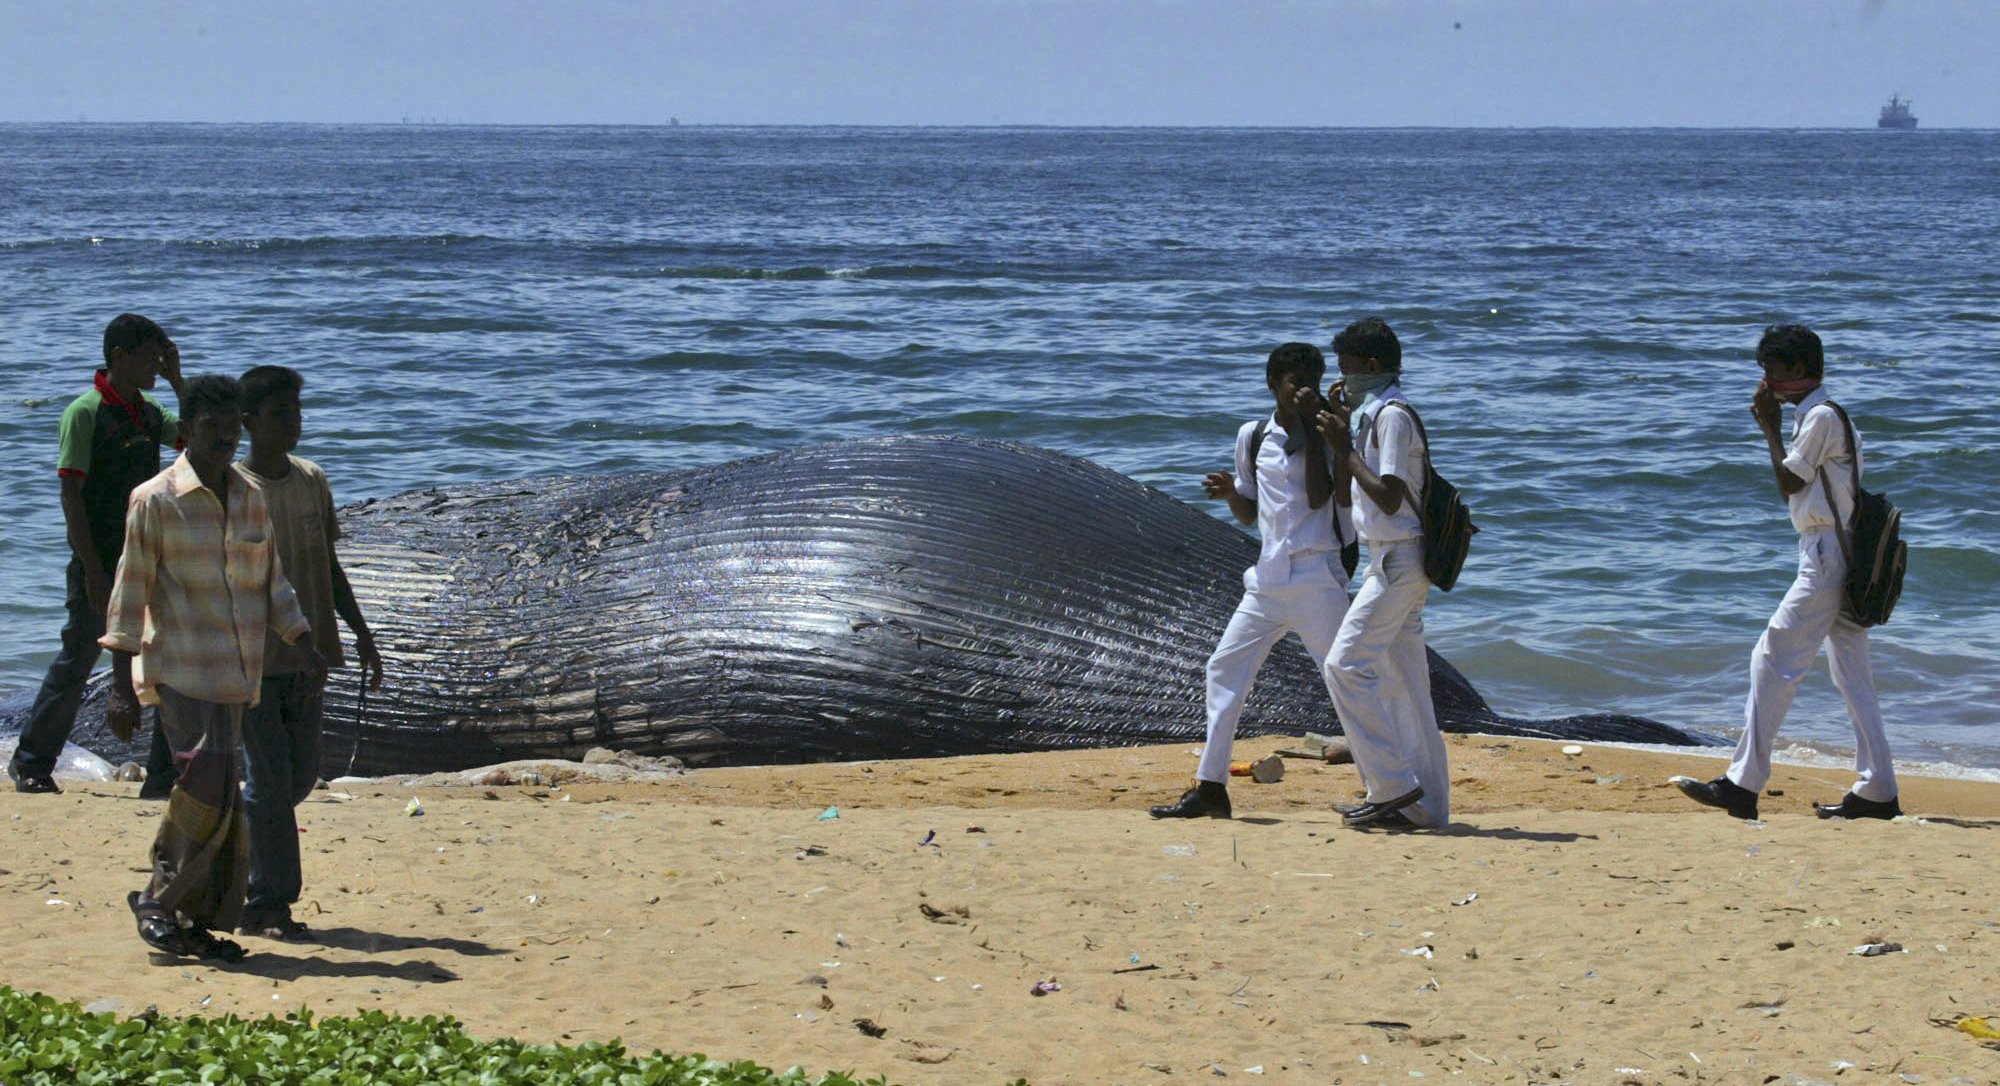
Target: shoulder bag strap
1248 468
1332 500
1840 528
1422 435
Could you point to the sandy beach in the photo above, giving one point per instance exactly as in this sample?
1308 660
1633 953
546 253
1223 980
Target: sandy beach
1581 922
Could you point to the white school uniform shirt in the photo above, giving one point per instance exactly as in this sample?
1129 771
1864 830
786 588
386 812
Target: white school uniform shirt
1819 440
1389 445
1287 524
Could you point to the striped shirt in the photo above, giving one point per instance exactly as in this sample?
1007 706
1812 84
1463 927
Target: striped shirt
196 590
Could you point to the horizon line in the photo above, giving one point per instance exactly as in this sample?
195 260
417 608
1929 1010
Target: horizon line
994 126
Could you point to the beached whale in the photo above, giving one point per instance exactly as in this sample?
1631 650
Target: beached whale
903 597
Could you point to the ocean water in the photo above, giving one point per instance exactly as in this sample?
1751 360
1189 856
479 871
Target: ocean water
1578 310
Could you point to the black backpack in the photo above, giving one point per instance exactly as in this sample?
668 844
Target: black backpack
1350 549
1871 542
1447 523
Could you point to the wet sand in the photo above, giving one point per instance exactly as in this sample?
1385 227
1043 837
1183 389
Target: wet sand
1581 922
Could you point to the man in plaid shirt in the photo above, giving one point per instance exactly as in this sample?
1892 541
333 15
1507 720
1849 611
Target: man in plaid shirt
198 585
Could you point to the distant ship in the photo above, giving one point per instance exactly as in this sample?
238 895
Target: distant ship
1896 114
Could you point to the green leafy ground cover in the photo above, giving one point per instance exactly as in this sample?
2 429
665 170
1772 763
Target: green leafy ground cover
43 1041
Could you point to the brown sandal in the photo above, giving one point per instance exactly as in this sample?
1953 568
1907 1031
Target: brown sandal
204 943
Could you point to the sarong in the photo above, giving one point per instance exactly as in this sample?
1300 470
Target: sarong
201 854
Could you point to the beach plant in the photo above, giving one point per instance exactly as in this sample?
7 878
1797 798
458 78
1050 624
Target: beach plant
46 1041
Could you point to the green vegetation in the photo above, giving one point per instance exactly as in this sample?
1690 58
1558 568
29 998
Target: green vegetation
44 1041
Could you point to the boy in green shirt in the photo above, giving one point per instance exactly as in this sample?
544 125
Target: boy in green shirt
110 443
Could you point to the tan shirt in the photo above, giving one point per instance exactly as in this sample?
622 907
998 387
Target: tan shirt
301 506
197 590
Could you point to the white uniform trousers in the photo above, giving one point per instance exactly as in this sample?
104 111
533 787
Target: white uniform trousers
1311 604
1810 615
1380 678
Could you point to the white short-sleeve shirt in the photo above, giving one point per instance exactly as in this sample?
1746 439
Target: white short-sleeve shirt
1390 445
1819 440
1286 520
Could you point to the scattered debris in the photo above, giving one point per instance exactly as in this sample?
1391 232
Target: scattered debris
646 764
1875 950
1331 749
1467 899
828 815
415 808
926 1052
868 1026
1980 1028
953 914
1044 987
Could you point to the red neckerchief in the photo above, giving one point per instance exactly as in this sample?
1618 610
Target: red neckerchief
112 397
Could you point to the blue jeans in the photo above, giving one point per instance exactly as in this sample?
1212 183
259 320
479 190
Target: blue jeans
53 716
281 741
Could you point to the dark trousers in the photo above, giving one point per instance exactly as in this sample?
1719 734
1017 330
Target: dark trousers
281 742
53 715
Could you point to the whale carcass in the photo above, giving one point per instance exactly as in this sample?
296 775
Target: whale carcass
902 597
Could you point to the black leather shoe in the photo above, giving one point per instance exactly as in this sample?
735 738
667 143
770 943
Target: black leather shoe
1393 821
1721 792
36 783
1206 799
1370 814
1853 806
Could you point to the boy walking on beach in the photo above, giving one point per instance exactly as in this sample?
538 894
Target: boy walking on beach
1378 670
1285 480
281 732
1817 476
199 583
110 440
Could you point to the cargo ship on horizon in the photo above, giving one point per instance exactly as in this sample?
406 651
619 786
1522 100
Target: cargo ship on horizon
1896 114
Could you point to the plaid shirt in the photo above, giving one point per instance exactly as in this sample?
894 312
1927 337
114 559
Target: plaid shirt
195 593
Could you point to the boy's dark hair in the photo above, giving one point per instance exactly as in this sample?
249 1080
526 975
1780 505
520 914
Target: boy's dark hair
1371 337
1791 344
211 394
128 331
1302 359
261 383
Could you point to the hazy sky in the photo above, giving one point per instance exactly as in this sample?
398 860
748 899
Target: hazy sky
1729 63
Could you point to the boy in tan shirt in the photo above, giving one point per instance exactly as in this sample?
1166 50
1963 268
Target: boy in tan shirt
281 734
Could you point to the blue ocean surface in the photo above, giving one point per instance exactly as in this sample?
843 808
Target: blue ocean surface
1578 310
